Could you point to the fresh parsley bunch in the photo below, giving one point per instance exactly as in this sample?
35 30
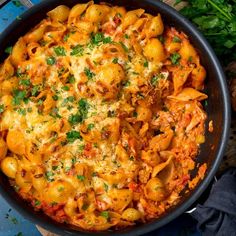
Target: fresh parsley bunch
216 19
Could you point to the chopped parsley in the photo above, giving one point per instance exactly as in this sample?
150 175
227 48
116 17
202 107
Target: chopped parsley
66 88
90 126
8 50
54 167
49 176
35 90
81 177
60 51
115 60
162 39
25 82
175 57
105 187
72 136
22 111
124 47
154 80
105 214
81 115
100 38
19 96
55 113
71 79
176 39
51 61
85 207
55 97
75 118
145 64
88 73
77 50
37 203
65 38
2 108
17 3
126 36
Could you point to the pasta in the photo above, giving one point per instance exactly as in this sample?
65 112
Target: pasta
101 116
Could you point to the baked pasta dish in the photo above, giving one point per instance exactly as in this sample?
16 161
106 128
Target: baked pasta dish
101 117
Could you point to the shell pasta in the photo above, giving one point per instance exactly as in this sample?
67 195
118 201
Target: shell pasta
101 117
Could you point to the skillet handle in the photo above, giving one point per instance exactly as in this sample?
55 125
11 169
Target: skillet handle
194 208
27 3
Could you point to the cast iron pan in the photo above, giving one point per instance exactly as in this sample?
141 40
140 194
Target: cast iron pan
218 110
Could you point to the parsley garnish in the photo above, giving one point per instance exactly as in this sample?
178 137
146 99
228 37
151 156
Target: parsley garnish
124 47
145 64
25 82
65 38
100 38
88 73
71 79
51 61
77 51
105 214
90 126
49 176
72 136
81 177
176 39
8 50
55 97
115 60
66 88
2 108
175 57
75 119
37 203
19 96
154 80
35 90
60 51
105 187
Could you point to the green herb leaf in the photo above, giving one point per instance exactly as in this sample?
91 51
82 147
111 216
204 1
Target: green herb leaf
78 50
124 47
72 136
81 177
60 51
175 57
88 73
17 3
35 90
8 50
51 61
55 97
105 187
71 79
176 39
66 88
105 214
25 82
115 60
18 96
37 203
49 176
2 108
145 64
90 126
